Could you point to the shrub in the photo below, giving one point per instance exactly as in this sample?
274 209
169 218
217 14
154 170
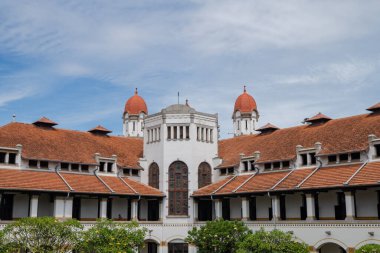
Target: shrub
369 248
107 236
274 241
43 234
218 236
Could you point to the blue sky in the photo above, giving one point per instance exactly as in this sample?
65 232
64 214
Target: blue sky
77 62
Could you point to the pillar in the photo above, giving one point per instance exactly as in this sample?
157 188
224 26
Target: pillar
68 213
350 205
245 208
310 207
218 209
103 208
6 158
161 210
195 203
163 247
276 207
134 209
33 208
192 248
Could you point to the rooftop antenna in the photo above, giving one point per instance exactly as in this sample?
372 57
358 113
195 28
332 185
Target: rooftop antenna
245 88
14 118
178 97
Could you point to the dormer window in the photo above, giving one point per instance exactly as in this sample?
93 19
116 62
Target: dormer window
12 158
109 167
44 164
8 158
355 156
332 158
84 168
377 150
267 166
304 159
313 160
276 165
74 167
343 157
246 165
131 172
285 164
65 166
102 166
33 164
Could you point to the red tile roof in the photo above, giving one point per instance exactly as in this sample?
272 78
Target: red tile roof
142 189
135 105
245 103
69 145
368 175
262 182
233 184
318 117
31 180
45 121
374 107
294 179
209 189
336 136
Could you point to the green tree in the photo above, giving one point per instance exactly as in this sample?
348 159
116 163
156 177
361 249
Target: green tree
110 237
4 246
369 248
218 236
43 235
274 241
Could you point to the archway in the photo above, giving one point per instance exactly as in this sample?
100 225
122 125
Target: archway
178 246
178 189
331 247
150 246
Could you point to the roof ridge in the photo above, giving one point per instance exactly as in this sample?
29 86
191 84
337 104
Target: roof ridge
356 172
282 180
220 187
130 187
246 181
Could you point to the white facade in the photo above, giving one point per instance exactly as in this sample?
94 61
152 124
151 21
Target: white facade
133 125
245 123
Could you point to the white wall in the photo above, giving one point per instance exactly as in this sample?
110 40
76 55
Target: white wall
293 204
20 206
119 207
366 204
263 203
235 208
327 202
89 208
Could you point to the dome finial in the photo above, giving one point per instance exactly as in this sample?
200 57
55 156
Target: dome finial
245 88
136 91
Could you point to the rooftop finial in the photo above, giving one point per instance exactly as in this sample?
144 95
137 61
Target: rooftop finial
245 88
14 118
136 91
187 102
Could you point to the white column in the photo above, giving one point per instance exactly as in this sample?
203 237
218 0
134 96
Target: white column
276 207
192 248
310 207
350 205
163 247
218 209
245 209
161 210
6 158
59 207
195 204
103 208
33 209
134 209
68 213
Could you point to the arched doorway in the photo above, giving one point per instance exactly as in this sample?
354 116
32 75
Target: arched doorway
331 248
150 246
178 189
178 246
154 176
204 174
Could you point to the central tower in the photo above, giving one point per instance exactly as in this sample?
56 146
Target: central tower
245 115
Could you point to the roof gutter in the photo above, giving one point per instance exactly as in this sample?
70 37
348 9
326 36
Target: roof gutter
63 179
101 180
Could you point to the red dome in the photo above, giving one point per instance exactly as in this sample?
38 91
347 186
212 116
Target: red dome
245 103
135 105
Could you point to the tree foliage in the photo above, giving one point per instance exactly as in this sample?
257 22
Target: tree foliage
274 241
42 235
107 236
369 248
218 236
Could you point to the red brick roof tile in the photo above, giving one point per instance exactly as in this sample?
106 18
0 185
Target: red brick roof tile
233 184
85 183
142 189
209 189
262 182
294 179
368 175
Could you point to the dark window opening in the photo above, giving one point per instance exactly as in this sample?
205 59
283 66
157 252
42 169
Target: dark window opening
33 163
202 134
135 172
12 158
181 132
313 159
2 157
252 209
304 159
223 171
245 165
355 156
276 165
109 167
377 148
226 209
230 170
178 248
204 210
169 133
154 176
64 166
175 133
102 166
44 164
75 167
340 209
153 210
204 175
267 166
126 172
197 133
84 167
343 157
285 164
187 132
332 158
134 126
252 164
246 125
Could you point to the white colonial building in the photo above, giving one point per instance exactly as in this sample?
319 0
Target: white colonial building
319 181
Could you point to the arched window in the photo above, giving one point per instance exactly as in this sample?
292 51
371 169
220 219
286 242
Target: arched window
178 188
204 174
154 175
